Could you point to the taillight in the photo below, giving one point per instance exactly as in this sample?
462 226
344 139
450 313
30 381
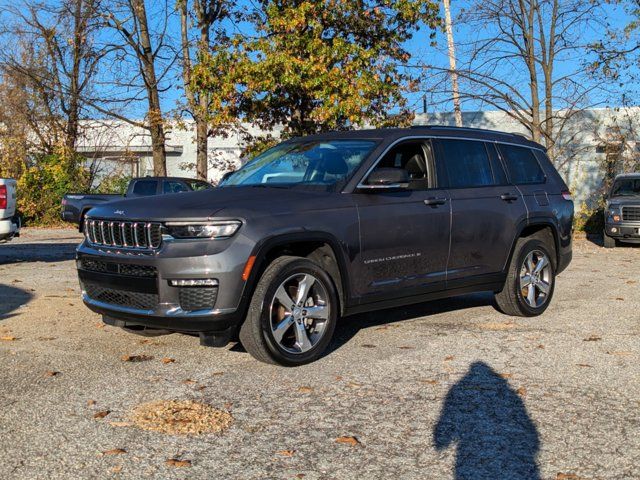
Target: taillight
3 197
566 194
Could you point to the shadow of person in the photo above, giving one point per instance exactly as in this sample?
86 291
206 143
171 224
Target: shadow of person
487 421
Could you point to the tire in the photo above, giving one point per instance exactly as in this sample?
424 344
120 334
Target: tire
608 241
283 280
512 300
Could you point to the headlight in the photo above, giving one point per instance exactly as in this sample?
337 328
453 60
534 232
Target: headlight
203 230
613 212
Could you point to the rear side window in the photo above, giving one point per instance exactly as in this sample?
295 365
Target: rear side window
145 187
171 186
466 163
522 165
199 185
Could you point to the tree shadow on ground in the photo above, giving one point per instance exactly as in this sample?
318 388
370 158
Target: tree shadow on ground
37 252
348 327
487 422
12 298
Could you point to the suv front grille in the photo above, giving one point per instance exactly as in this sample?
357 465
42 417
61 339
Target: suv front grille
198 298
631 214
130 270
122 298
116 233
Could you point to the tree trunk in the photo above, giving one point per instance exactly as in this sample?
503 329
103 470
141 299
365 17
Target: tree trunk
202 147
156 125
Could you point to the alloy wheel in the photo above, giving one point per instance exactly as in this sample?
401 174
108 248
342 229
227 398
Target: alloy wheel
299 313
536 277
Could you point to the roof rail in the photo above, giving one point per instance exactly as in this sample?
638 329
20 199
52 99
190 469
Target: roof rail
468 129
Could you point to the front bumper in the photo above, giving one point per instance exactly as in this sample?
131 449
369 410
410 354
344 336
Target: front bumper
140 298
623 231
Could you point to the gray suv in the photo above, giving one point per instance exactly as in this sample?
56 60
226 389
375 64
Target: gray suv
330 225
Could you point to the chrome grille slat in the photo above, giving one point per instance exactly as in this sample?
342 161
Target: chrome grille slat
122 234
631 214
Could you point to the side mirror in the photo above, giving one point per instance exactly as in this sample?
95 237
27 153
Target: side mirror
387 178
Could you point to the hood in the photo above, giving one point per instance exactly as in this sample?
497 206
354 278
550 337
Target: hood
624 200
205 204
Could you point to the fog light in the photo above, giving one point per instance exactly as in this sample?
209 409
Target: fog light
198 282
614 230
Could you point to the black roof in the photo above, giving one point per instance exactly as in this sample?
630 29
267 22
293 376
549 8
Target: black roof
184 179
430 130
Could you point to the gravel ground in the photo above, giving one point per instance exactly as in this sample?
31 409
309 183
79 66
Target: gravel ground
448 389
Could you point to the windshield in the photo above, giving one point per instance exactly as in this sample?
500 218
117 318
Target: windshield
625 187
323 163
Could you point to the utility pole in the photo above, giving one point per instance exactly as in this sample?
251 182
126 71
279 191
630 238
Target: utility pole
452 63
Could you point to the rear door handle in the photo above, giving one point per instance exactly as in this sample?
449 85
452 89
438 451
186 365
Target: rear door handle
509 197
435 201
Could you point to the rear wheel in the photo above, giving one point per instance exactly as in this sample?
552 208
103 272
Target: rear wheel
609 242
292 315
530 280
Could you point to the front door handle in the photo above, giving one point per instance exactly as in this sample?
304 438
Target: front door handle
432 202
509 197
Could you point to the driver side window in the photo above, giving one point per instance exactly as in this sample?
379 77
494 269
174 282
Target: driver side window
413 158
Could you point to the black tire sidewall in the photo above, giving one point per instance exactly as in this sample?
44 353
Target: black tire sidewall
287 270
527 248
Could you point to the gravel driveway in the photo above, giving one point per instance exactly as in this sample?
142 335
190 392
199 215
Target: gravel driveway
448 389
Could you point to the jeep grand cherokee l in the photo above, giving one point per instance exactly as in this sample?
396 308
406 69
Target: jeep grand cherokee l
325 226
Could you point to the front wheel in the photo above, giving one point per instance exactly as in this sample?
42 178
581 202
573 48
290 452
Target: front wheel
292 315
530 280
609 242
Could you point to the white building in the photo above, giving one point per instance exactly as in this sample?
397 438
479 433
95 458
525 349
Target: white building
113 147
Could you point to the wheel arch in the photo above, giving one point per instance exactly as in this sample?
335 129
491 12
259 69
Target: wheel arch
533 227
321 247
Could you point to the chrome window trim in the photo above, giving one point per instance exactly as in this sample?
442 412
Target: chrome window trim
361 183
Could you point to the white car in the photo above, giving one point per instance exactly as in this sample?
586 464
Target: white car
9 221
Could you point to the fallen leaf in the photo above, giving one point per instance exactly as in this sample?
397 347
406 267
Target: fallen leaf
168 360
631 282
188 381
8 338
101 414
405 347
592 338
120 424
506 375
620 298
300 475
353 441
51 373
181 417
285 453
448 358
136 358
430 382
567 476
228 405
174 462
586 365
354 385
117 469
540 347
100 325
91 402
115 451
305 389
216 374
17 281
522 391
367 345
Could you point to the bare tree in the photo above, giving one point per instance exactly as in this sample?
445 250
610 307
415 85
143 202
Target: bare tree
512 60
451 48
205 15
145 57
50 52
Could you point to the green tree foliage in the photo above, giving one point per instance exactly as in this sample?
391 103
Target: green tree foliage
42 186
316 65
